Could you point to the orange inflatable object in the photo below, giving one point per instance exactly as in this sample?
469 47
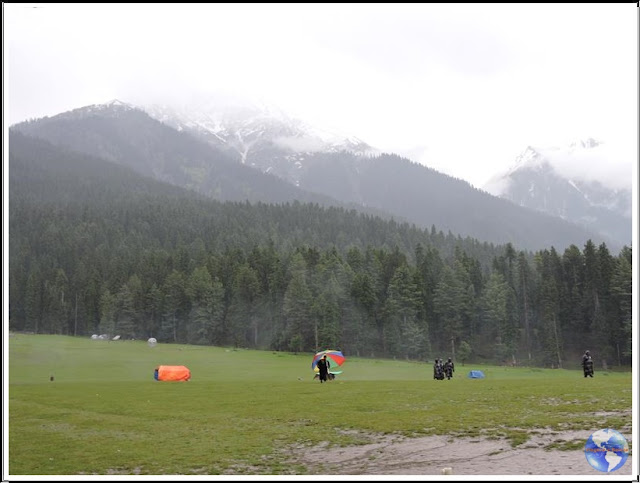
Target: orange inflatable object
172 373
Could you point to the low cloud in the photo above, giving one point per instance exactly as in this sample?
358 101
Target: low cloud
606 163
300 144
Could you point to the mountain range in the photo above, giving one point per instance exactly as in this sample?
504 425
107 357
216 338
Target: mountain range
556 181
261 137
259 156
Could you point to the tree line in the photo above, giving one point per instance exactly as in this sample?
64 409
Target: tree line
95 248
138 272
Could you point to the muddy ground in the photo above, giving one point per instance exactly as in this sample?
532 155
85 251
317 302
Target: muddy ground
464 456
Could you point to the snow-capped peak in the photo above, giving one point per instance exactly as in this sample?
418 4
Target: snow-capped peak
244 126
117 103
586 181
530 157
583 160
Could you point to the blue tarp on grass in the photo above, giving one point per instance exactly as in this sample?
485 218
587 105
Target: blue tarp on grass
476 375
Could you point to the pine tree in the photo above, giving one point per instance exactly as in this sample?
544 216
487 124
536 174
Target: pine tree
301 332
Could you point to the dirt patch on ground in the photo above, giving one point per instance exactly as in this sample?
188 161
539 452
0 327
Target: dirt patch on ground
393 455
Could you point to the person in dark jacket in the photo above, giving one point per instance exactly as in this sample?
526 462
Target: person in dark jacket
587 364
323 368
438 370
448 368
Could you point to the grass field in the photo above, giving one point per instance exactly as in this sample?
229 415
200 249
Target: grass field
105 414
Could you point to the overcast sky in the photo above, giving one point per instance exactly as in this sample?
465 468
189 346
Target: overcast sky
461 88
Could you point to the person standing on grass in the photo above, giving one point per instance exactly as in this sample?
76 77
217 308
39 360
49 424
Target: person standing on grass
587 364
448 368
323 368
438 370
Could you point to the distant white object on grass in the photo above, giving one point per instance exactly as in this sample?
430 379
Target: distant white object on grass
94 336
152 342
116 337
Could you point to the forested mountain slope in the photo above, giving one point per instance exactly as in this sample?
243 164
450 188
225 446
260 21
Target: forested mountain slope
96 248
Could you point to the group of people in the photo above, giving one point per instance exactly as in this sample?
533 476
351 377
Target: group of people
440 370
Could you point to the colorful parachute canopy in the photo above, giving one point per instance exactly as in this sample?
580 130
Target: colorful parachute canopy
172 373
335 358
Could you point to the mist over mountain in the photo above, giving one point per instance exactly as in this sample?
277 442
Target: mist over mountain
584 182
257 155
343 168
259 136
126 135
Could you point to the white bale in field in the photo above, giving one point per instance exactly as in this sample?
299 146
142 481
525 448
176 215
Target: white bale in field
94 336
152 342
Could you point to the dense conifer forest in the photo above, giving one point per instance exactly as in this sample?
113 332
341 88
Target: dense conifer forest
95 248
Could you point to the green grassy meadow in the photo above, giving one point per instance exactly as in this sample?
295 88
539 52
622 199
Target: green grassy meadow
105 414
